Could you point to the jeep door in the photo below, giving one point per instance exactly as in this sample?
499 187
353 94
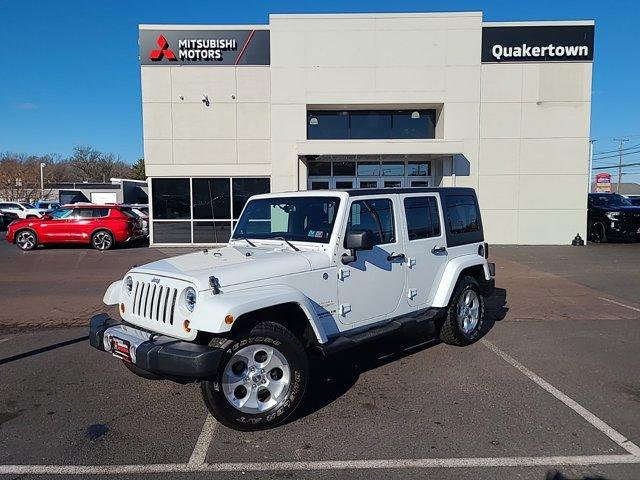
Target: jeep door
370 288
426 246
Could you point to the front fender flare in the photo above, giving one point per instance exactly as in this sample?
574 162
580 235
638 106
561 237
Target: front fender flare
112 295
212 309
450 276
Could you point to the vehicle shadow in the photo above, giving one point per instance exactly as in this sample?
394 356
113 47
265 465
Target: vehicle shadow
141 243
332 377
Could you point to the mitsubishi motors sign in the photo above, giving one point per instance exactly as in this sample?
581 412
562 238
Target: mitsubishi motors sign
204 47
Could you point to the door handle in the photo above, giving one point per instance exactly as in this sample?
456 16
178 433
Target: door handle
399 256
436 250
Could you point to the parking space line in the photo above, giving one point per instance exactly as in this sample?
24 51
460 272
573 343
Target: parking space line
417 463
609 431
620 304
199 453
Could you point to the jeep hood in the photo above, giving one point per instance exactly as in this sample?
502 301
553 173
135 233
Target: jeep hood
235 265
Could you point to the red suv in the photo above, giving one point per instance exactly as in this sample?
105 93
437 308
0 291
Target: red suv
100 225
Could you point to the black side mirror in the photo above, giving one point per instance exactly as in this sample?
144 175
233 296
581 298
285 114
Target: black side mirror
357 240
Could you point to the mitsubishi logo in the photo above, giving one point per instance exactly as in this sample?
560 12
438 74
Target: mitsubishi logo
163 51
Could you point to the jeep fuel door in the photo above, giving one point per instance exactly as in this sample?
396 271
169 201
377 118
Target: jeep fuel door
370 288
426 246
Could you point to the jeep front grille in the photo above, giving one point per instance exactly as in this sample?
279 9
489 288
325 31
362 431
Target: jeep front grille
154 302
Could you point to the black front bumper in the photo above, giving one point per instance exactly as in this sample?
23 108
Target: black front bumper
164 356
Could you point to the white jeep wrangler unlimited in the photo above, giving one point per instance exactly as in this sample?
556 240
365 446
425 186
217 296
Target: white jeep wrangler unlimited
322 270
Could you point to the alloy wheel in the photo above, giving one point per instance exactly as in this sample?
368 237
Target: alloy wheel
468 310
102 240
26 240
256 379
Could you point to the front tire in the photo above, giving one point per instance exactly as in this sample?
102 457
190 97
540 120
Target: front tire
261 380
466 314
598 232
102 240
26 240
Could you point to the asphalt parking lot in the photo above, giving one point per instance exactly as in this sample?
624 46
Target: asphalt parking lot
553 386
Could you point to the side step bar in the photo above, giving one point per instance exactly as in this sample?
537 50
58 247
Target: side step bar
345 342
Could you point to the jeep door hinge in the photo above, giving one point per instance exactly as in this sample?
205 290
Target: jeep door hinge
343 273
411 262
412 293
344 309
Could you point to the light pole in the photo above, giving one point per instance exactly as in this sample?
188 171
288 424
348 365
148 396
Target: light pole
42 165
621 140
591 142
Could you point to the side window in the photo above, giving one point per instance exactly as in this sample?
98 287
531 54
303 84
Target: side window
462 214
375 215
85 213
61 213
102 212
422 216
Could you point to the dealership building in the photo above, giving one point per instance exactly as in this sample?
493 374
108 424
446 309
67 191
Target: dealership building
368 100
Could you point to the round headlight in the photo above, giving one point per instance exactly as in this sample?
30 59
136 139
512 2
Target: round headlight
190 299
128 283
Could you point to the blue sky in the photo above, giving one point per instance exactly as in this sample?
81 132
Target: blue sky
70 74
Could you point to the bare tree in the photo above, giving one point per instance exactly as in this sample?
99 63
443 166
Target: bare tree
20 176
93 165
20 173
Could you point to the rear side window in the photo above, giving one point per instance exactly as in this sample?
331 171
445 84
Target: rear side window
128 212
375 215
462 214
93 212
422 217
85 213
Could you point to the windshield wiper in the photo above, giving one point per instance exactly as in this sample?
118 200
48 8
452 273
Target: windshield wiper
246 240
287 242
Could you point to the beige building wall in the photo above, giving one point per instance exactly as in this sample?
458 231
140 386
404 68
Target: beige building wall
516 132
534 151
379 61
183 136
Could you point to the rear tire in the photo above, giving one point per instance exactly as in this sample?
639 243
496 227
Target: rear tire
465 315
102 240
261 379
26 240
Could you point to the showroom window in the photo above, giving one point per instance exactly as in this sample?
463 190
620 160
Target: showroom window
199 210
370 124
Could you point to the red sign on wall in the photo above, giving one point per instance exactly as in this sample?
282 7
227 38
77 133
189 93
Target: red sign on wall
603 183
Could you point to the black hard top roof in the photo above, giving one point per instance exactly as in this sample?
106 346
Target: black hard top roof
358 192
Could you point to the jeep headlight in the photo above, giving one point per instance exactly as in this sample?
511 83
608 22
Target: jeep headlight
128 285
613 215
190 299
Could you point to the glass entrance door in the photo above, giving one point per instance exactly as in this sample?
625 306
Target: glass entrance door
392 182
343 183
368 182
370 171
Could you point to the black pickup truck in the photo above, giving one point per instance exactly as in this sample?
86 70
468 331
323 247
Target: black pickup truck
612 217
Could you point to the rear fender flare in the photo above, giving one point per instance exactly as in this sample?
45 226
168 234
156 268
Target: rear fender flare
451 275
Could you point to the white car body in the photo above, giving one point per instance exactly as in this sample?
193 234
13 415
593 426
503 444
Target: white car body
22 210
337 299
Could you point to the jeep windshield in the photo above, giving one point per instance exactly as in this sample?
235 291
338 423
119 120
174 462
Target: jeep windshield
299 219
